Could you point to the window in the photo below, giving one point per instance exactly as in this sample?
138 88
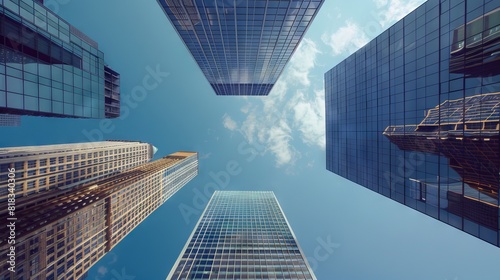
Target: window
32 164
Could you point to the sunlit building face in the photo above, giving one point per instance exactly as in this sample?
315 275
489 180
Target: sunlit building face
242 235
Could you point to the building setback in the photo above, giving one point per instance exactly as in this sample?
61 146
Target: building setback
242 235
414 115
63 166
241 46
62 237
50 68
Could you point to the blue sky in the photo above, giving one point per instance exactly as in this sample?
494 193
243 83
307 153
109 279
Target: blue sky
277 143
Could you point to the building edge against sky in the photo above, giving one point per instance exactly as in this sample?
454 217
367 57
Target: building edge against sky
414 115
62 166
63 236
241 48
257 241
50 68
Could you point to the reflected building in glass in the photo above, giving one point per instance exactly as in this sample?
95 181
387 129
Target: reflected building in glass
241 46
61 237
49 68
242 235
414 115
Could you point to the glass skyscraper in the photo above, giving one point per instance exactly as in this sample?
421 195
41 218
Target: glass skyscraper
62 235
241 46
414 115
50 68
242 235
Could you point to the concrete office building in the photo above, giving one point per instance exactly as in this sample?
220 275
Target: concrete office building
63 166
62 237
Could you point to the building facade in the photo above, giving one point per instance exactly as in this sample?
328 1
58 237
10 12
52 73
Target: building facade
62 237
414 115
50 68
242 235
241 46
10 120
63 166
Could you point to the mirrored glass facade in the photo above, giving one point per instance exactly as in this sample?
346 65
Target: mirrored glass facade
61 234
242 235
241 46
48 67
414 115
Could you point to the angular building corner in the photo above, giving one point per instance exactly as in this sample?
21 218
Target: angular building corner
242 235
62 232
415 114
241 47
49 68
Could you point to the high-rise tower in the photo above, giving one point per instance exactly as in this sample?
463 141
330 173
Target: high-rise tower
50 68
414 115
62 237
242 235
241 46
63 166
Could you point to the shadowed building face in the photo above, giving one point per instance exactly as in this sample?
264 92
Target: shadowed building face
414 115
50 68
241 46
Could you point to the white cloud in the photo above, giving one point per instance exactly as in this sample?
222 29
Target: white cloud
229 123
347 38
303 61
276 95
205 155
245 109
269 120
279 137
390 11
249 127
102 270
309 118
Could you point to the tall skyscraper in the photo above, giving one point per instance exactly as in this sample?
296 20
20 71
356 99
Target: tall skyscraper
10 120
62 237
63 166
50 68
242 235
241 46
414 115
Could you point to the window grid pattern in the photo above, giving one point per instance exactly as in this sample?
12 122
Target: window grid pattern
242 235
10 120
64 235
48 67
41 168
129 207
241 46
398 79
